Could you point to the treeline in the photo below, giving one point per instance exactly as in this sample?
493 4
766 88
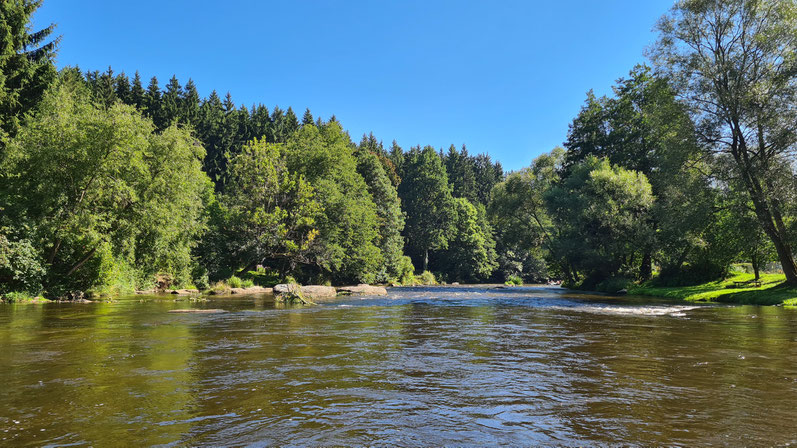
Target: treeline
109 186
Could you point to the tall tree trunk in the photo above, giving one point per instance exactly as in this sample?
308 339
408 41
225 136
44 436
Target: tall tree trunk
425 259
756 262
766 208
646 268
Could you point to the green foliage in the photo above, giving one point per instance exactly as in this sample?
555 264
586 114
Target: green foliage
601 214
85 181
235 282
347 246
406 271
21 268
267 213
514 280
388 206
428 203
471 252
26 62
426 278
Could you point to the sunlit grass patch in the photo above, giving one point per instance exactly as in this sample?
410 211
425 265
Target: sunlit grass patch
771 292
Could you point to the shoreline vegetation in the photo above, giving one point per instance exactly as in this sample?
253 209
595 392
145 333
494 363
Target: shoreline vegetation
110 185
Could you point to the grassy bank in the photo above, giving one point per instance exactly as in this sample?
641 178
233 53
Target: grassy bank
771 292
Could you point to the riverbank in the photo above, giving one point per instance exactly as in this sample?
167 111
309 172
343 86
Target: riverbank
771 292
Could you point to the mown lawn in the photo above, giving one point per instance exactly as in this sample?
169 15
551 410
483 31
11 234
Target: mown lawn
771 292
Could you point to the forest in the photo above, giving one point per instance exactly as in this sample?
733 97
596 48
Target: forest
110 184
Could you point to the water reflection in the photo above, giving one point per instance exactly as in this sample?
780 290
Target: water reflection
423 366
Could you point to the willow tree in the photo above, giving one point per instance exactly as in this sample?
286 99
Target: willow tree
736 65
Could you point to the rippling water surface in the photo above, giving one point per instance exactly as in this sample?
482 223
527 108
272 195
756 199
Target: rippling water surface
422 366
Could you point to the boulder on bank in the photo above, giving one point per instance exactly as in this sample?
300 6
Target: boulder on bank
364 289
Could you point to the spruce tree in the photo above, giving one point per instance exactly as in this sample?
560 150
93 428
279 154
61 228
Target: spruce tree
152 103
137 92
307 118
189 104
171 102
26 62
123 88
291 124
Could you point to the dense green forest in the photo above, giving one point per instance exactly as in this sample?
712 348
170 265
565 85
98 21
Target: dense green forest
109 185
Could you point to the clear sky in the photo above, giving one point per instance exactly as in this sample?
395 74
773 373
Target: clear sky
505 77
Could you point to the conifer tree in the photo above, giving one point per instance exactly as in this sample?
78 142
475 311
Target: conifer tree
261 122
152 103
137 92
170 102
291 123
123 88
26 61
189 104
307 118
105 88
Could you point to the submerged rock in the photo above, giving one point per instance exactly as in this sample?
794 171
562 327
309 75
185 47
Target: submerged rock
364 289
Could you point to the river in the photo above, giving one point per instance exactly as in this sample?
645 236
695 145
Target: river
423 366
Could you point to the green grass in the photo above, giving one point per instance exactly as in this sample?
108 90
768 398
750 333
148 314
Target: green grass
771 292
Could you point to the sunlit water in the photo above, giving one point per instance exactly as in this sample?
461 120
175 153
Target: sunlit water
423 366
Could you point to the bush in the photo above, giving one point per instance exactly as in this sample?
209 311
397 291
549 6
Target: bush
248 283
613 284
406 271
514 280
426 278
235 282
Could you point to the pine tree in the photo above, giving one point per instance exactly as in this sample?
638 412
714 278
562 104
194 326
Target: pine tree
26 61
209 129
171 102
388 207
152 103
189 104
307 118
261 122
123 88
291 124
105 88
276 130
137 92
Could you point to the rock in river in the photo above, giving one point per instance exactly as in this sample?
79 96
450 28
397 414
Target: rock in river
364 289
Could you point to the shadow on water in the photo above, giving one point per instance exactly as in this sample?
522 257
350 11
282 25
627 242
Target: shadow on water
469 365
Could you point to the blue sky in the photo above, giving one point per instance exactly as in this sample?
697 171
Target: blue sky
504 77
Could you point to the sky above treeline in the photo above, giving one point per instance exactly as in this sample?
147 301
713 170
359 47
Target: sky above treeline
503 77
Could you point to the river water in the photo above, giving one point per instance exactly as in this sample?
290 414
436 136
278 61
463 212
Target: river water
423 366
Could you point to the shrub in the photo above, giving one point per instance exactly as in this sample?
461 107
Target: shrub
514 280
235 282
426 278
248 283
613 284
406 271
